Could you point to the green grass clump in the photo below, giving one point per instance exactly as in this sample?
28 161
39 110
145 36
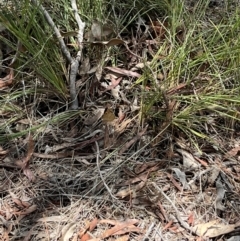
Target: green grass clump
197 59
200 90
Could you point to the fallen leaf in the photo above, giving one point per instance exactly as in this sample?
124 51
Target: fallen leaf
213 229
175 183
24 162
188 160
202 162
27 211
86 237
68 231
123 71
118 227
233 152
7 80
191 219
20 203
168 225
93 224
114 83
130 143
2 151
145 166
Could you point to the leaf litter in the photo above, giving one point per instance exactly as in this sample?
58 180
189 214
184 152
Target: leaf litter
187 193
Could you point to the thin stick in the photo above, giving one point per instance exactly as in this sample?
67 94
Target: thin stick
98 166
63 46
182 223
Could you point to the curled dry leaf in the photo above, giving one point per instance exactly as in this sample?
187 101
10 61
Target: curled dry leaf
7 80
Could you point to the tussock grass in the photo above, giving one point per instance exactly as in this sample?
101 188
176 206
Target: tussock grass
199 52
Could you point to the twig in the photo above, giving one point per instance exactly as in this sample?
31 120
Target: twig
182 223
128 144
63 46
98 166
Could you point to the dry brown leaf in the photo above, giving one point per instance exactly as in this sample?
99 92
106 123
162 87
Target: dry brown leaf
109 221
2 151
175 183
168 225
176 89
118 227
191 219
51 156
20 203
123 72
149 167
114 83
213 229
89 226
7 80
162 211
127 192
130 143
24 163
27 211
138 178
93 224
85 237
233 152
202 162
